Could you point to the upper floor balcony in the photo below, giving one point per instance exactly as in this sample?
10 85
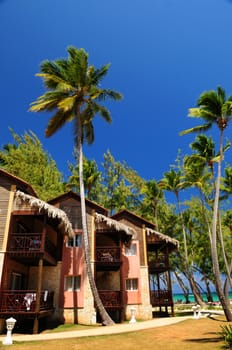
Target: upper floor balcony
108 256
31 245
158 264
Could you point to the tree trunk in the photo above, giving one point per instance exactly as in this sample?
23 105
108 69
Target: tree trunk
195 290
188 269
214 252
183 287
106 320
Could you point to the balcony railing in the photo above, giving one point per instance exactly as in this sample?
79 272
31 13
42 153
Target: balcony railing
30 243
110 299
160 263
108 255
161 298
24 301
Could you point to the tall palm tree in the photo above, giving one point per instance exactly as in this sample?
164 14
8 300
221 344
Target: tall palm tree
215 109
173 181
73 94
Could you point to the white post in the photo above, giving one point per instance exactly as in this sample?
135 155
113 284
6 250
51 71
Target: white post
196 311
133 320
10 322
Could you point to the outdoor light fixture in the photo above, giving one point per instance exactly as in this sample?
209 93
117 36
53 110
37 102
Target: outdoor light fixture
196 311
132 320
10 323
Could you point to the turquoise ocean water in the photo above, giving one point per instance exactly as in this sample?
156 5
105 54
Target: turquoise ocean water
178 297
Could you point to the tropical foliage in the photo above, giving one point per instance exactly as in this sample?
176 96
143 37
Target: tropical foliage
27 159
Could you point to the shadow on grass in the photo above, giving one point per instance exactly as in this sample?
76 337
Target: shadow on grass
214 339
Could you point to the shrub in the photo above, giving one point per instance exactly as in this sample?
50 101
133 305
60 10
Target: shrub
226 334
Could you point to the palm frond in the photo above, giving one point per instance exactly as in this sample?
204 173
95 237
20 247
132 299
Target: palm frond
96 75
105 94
67 104
48 101
58 121
198 128
78 67
88 133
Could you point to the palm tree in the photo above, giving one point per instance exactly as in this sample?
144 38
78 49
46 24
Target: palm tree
173 182
73 95
91 177
215 109
205 151
152 196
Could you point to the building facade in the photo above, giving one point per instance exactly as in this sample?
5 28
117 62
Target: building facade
43 276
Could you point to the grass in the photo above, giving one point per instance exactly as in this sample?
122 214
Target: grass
191 334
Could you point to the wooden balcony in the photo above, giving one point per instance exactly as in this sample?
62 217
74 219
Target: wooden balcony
161 298
30 245
110 299
158 265
108 257
23 303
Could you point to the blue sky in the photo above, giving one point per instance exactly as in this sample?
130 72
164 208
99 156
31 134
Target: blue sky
163 55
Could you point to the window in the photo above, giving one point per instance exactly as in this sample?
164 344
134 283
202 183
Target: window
132 284
132 250
72 283
16 281
74 241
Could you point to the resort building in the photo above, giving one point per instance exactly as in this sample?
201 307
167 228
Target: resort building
43 279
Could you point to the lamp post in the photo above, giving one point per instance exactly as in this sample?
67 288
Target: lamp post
196 311
10 322
132 320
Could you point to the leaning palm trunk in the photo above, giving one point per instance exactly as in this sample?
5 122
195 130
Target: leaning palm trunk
106 320
184 288
218 283
228 268
188 269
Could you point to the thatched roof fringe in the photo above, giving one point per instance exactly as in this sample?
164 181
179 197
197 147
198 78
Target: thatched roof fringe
163 237
118 226
51 211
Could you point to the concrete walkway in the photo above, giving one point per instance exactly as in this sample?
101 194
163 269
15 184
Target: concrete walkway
101 330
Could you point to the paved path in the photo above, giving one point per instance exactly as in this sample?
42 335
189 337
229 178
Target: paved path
95 331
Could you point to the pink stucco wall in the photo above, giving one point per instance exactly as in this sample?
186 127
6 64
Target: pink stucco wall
131 269
73 265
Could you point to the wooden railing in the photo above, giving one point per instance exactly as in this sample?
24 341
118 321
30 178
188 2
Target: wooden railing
160 263
21 301
161 298
108 254
110 299
30 242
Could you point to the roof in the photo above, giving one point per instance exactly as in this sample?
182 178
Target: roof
162 237
51 211
132 216
76 196
25 186
150 227
118 226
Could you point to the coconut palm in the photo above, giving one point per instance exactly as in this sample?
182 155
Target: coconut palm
215 109
91 177
73 94
173 181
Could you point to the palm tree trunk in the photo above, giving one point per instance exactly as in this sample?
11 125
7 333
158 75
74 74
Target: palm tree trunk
183 287
188 269
228 269
106 320
218 282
